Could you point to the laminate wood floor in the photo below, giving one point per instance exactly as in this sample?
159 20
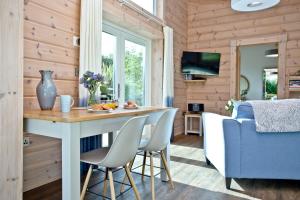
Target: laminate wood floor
192 177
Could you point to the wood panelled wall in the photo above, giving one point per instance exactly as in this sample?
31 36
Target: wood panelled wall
175 16
11 96
213 24
49 27
48 30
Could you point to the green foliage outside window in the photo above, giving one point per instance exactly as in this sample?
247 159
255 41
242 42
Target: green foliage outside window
271 89
134 84
108 73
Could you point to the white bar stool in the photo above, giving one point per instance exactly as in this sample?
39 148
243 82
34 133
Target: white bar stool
158 141
122 151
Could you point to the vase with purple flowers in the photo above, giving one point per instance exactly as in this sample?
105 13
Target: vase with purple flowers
91 81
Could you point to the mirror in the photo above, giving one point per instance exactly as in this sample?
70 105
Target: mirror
244 87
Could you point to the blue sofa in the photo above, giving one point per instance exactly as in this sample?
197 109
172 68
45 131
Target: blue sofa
234 147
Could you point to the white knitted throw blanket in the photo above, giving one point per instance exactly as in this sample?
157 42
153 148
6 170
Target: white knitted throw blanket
277 116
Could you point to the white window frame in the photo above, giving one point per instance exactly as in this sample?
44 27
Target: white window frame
122 35
154 9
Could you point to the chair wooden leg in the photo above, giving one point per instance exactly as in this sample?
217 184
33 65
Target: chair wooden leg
152 176
144 165
105 182
131 163
125 177
86 182
166 168
128 173
111 184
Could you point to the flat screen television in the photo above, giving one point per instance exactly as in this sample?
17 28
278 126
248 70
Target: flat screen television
200 63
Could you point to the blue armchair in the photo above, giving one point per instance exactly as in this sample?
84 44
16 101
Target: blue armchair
234 147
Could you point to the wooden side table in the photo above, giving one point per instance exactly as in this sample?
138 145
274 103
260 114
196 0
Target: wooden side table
188 125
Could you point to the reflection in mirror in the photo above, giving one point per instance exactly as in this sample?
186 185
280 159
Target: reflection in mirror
270 83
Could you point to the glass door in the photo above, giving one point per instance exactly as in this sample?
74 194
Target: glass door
109 65
125 63
134 73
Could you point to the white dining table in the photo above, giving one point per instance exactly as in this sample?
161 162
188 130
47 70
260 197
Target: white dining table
70 127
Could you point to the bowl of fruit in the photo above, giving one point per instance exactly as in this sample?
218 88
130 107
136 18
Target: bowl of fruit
130 105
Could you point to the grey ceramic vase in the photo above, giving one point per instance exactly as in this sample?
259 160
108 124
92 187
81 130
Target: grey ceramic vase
46 90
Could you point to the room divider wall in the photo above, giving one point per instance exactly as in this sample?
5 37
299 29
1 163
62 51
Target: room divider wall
11 99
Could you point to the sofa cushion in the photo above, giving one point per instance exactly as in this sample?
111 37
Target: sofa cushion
242 110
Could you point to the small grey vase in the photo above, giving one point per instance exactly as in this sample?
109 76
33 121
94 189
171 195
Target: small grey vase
46 90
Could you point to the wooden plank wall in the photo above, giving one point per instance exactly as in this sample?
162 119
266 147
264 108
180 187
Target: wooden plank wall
48 30
176 17
11 95
49 27
211 26
121 15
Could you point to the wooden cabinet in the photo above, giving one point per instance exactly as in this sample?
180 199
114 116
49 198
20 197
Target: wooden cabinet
189 126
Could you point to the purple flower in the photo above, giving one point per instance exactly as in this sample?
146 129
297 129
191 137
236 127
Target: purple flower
100 78
95 77
90 80
81 80
89 73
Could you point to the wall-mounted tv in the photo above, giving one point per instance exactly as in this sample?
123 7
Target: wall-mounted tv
200 63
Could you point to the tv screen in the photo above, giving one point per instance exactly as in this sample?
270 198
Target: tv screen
200 63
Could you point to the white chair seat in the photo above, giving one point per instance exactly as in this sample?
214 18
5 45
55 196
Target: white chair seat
94 157
122 151
159 140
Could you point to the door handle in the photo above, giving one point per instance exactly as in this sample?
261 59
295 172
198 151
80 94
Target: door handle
119 91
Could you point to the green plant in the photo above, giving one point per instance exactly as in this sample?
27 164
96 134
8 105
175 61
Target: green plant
108 72
230 105
134 85
271 86
103 89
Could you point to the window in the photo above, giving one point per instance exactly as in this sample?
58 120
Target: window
135 55
126 65
108 63
148 5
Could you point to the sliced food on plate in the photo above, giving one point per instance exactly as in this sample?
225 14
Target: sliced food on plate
130 105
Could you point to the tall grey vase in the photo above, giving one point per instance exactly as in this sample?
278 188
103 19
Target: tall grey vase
46 90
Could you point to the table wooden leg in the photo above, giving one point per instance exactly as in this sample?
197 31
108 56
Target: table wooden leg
70 161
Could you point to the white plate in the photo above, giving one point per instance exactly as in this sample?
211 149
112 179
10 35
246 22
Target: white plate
129 108
98 111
